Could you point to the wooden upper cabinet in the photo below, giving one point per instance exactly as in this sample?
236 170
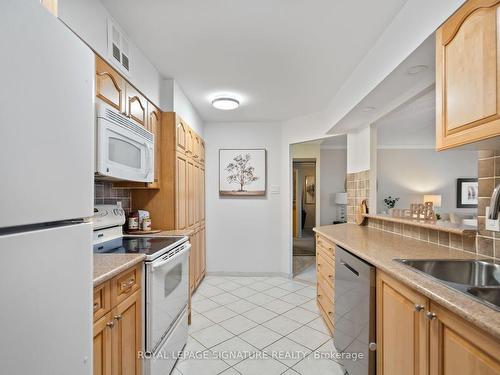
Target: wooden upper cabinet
110 86
189 142
154 126
136 105
181 135
402 329
467 75
458 348
196 146
181 193
201 194
202 151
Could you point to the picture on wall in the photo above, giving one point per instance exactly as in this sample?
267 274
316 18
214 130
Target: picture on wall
242 172
310 190
467 192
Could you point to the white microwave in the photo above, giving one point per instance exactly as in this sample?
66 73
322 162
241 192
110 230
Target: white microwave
124 149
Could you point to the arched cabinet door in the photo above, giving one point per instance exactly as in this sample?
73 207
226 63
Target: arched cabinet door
181 135
110 86
467 75
202 151
154 126
136 105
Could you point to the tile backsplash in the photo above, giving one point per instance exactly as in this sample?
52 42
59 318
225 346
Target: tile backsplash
104 193
358 188
488 243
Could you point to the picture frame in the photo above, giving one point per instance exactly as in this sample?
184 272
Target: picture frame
310 190
467 192
242 172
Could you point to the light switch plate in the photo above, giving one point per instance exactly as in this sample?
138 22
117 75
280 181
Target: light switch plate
275 189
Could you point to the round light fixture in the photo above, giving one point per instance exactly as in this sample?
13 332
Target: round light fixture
416 69
225 103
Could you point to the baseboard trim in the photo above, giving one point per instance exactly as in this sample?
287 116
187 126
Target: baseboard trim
250 274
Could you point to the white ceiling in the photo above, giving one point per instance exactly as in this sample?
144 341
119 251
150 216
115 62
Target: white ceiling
284 58
412 125
395 91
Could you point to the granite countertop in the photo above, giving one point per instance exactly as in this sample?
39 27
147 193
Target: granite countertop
380 248
107 266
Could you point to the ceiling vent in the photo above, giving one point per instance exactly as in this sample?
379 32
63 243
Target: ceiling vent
118 48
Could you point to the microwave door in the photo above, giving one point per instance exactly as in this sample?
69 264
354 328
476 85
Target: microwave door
122 154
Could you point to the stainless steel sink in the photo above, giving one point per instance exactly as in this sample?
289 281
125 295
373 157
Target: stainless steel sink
477 278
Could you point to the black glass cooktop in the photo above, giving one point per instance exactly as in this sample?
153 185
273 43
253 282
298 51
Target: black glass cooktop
136 245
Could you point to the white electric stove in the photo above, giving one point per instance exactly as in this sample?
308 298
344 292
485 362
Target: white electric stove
166 284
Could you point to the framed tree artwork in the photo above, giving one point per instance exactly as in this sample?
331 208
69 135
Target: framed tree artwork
242 172
467 192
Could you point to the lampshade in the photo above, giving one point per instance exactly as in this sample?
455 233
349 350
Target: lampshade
435 199
341 198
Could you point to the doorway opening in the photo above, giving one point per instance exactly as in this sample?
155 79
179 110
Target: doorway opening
318 170
304 218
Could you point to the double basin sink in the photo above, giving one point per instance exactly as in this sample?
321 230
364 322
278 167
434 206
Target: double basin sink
477 278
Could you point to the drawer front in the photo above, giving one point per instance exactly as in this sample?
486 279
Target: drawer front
325 300
326 247
102 300
125 284
325 269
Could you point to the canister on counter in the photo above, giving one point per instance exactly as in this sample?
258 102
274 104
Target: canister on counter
146 224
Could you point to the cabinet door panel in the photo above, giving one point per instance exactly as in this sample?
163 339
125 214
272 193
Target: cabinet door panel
181 135
401 330
154 126
457 348
201 194
191 200
127 336
203 256
136 105
181 193
102 355
467 68
110 86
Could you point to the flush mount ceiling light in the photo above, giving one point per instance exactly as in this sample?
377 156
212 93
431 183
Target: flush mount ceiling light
225 103
368 109
416 69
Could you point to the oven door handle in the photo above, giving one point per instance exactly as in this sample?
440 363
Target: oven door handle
156 265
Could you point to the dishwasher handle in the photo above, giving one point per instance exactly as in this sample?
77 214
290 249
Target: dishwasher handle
350 268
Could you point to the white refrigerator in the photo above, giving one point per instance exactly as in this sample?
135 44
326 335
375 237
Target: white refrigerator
46 189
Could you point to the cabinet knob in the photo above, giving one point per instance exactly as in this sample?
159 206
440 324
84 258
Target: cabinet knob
418 308
118 317
430 315
110 324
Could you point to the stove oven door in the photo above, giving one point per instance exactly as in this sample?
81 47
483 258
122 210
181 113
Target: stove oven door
167 288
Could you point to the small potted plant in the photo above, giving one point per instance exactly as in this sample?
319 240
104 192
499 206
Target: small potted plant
390 202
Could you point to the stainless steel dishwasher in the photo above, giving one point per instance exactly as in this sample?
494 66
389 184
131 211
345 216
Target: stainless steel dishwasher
354 333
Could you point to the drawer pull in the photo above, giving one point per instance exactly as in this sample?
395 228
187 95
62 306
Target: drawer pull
117 317
110 324
418 308
128 284
430 315
96 306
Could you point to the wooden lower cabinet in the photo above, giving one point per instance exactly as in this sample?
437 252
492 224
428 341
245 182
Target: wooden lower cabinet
118 334
401 329
458 348
325 276
417 336
102 346
197 258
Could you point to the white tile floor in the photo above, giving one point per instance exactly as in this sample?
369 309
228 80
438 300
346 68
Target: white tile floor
256 325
